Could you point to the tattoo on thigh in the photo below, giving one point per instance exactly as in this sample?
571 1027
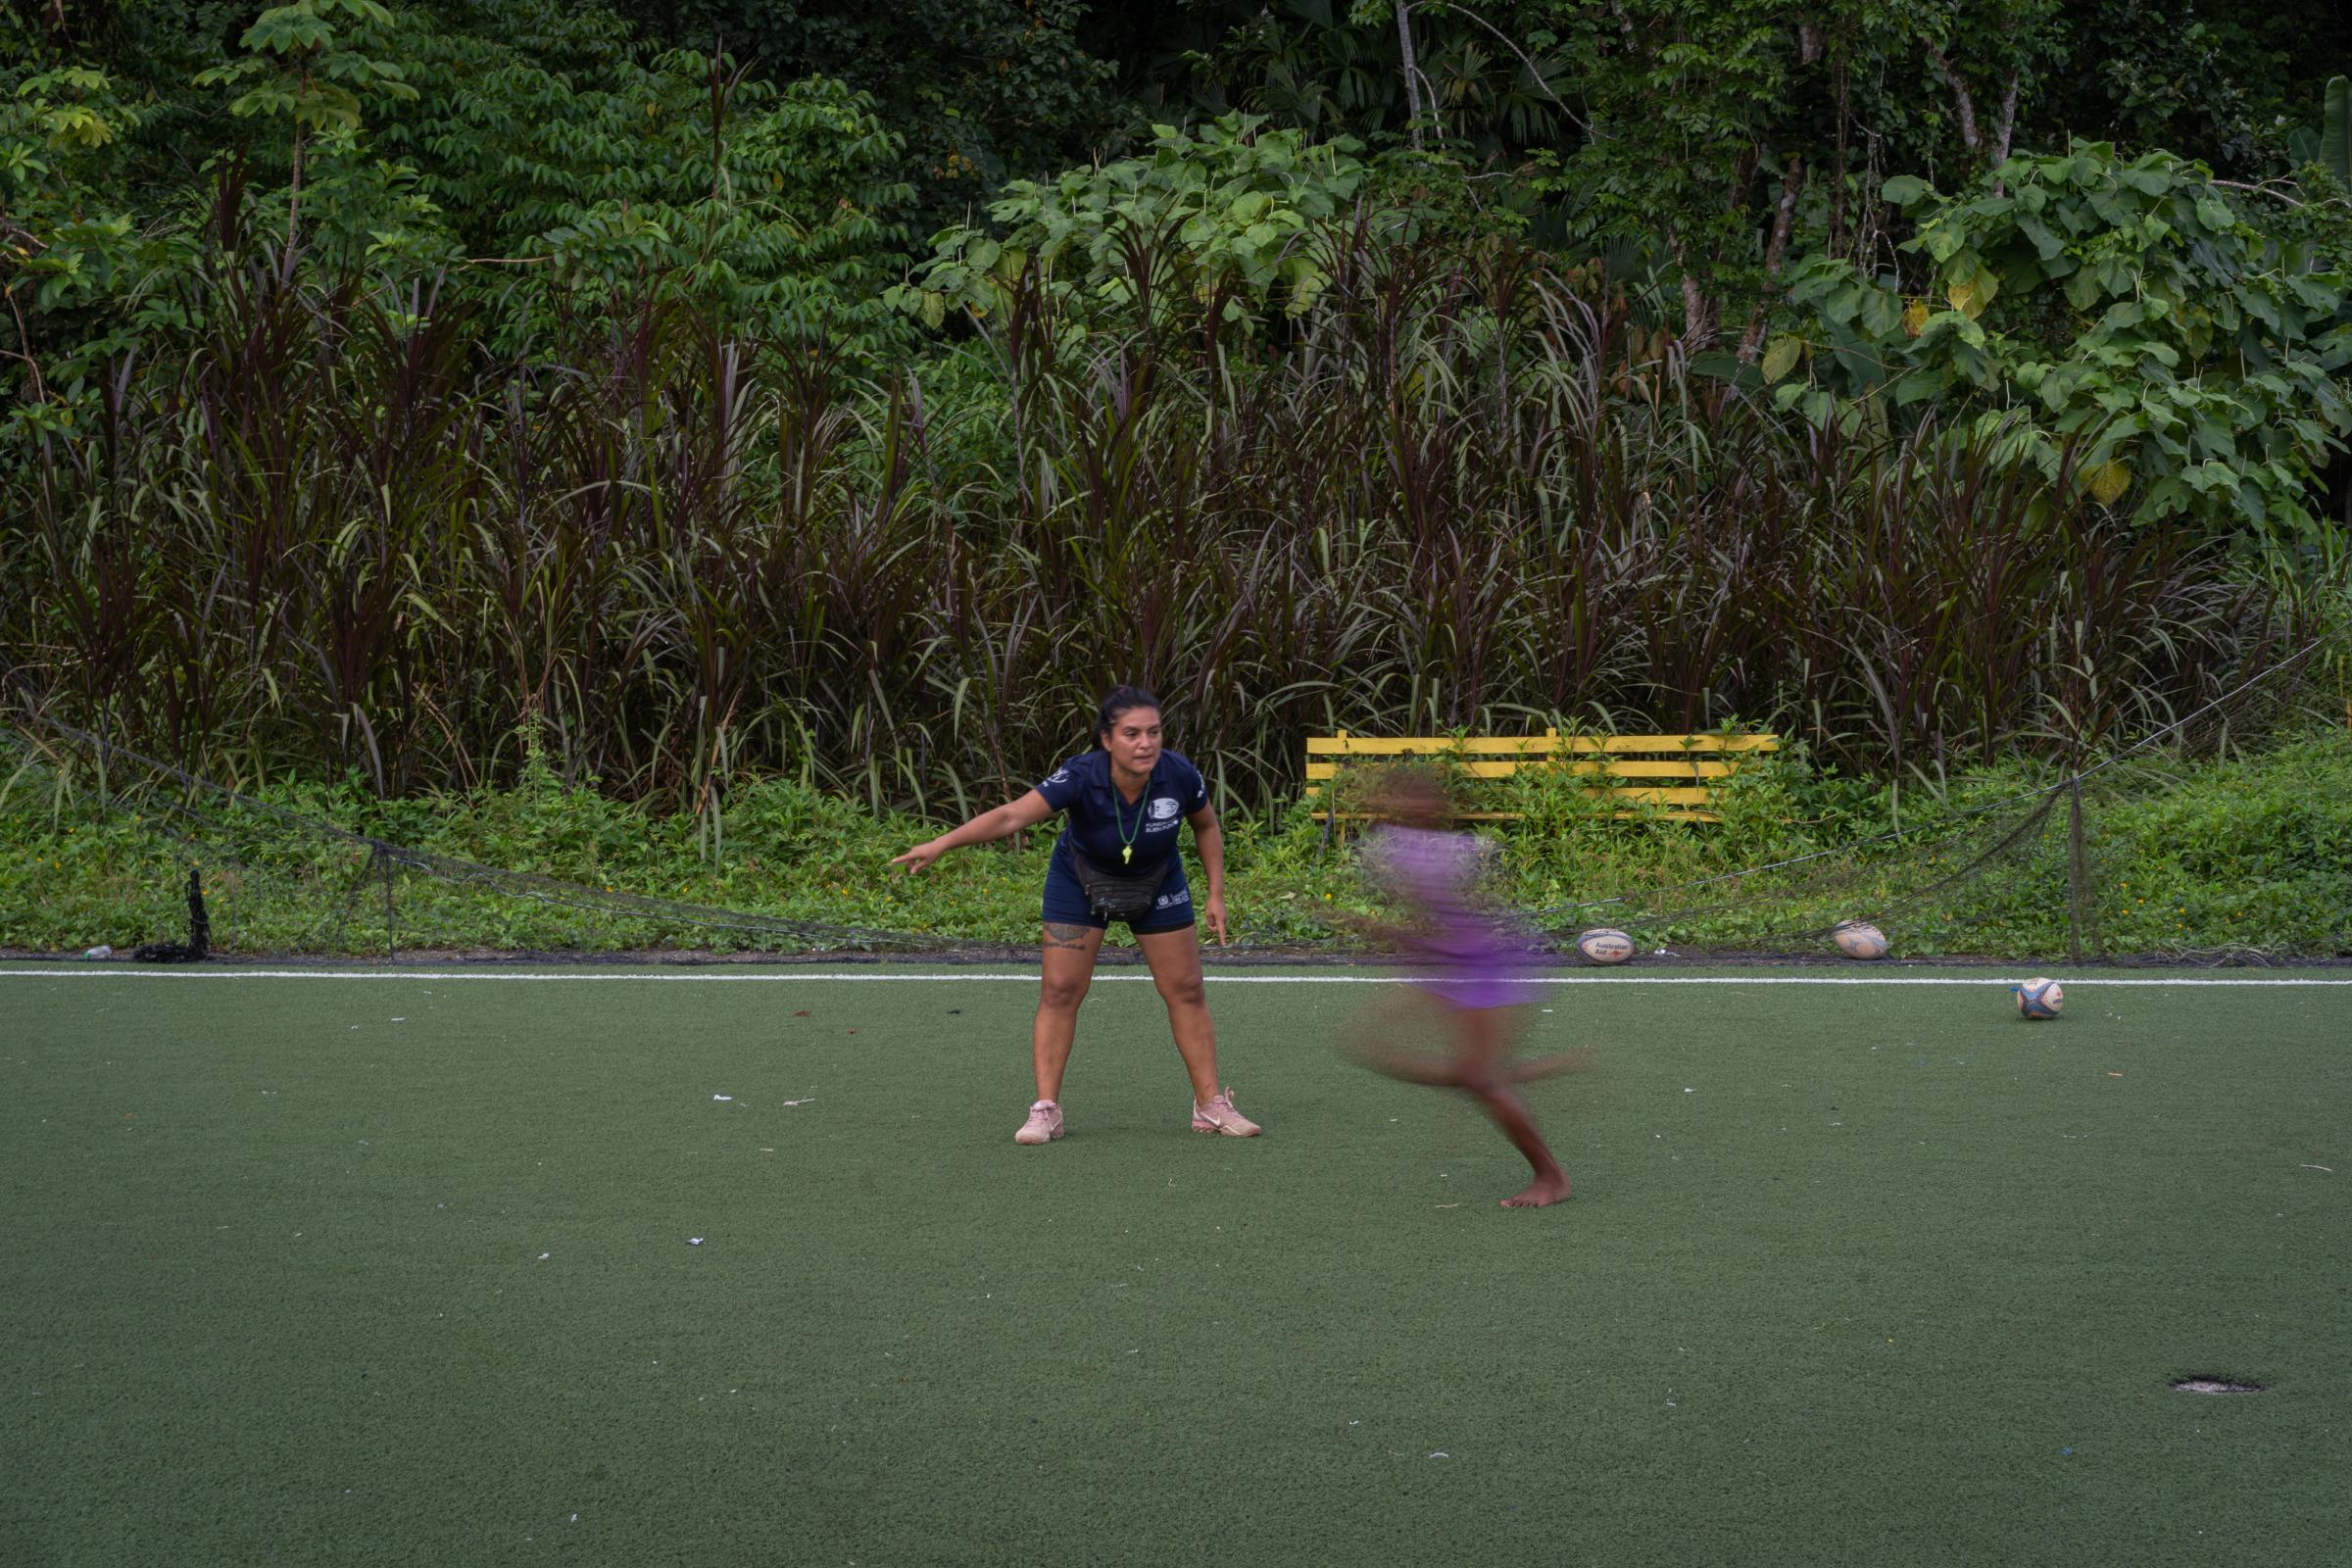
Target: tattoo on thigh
1068 937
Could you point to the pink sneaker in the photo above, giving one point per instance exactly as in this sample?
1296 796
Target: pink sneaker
1043 1124
1219 1116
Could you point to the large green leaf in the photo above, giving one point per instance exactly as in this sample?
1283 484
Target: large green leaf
2335 129
287 30
1881 313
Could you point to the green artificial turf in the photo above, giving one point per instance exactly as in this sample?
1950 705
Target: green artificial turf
398 1271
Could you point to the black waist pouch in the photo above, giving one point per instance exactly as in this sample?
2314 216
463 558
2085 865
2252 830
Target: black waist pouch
1119 895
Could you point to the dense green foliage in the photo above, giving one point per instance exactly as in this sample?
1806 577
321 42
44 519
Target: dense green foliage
2246 858
981 91
775 161
1237 214
777 208
1935 382
2128 304
531 160
1455 493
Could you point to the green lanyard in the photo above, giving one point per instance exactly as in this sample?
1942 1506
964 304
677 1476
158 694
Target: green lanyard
1118 817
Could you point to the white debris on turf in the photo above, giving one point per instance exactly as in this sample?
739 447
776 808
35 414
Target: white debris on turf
694 1241
722 1096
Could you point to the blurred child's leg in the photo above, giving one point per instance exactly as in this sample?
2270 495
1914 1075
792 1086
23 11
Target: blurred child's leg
1485 1034
1551 1066
1368 1043
1479 1065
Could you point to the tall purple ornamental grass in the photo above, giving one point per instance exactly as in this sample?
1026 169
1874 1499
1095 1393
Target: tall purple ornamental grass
334 534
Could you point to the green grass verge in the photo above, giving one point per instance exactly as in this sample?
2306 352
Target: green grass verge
399 1271
2249 856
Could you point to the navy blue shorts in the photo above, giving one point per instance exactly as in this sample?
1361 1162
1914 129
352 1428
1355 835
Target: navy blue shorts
1065 900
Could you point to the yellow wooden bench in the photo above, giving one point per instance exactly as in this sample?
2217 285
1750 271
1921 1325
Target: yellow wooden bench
1678 771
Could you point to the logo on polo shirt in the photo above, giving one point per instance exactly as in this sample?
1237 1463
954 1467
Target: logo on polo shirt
1164 810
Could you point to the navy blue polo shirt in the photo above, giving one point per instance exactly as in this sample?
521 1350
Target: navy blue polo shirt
1098 822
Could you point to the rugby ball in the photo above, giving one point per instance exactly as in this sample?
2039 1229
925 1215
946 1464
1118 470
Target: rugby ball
2040 999
1605 946
1859 939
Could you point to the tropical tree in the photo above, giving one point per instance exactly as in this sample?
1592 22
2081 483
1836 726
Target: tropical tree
314 65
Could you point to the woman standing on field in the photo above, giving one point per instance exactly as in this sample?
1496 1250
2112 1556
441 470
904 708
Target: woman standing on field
1117 859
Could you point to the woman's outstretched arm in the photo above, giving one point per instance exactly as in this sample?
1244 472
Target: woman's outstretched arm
1002 822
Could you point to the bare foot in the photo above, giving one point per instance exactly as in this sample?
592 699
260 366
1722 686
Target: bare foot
1542 1190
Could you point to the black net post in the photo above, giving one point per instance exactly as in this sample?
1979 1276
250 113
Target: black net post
200 922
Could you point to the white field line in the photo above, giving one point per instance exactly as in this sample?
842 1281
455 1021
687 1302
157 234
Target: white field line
108 971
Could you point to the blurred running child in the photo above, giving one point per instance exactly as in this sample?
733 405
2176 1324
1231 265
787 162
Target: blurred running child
1430 871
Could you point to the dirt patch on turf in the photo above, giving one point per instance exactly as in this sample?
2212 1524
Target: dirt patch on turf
2208 1383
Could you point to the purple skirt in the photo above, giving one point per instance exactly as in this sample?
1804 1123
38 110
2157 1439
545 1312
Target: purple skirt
1478 964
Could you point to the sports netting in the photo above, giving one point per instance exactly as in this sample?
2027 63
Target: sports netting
2041 868
2046 867
226 874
